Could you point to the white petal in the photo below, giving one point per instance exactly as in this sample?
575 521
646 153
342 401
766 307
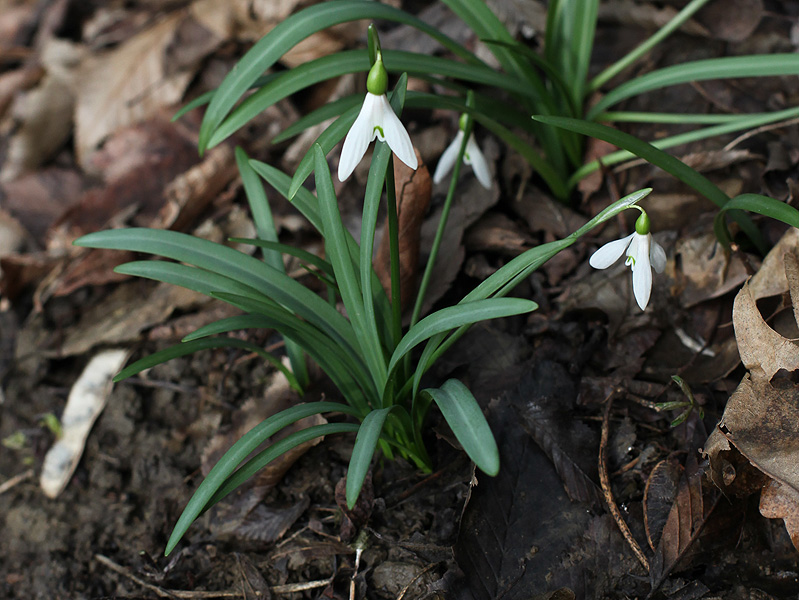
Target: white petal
610 253
658 257
475 157
642 273
357 140
396 137
448 158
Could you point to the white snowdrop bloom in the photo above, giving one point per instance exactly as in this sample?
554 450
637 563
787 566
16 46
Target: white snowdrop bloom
643 255
376 120
472 156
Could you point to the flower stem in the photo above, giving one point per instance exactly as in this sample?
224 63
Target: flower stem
442 224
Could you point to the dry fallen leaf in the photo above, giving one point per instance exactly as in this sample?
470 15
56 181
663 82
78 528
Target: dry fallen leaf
761 419
136 80
44 113
413 190
778 501
85 403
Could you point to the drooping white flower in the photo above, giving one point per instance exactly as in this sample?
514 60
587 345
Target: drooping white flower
472 156
376 120
643 255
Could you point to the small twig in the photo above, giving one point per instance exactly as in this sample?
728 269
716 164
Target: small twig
414 580
761 129
159 591
300 587
16 480
604 481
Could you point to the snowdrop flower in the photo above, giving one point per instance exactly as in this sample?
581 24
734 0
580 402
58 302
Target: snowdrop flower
376 120
643 255
472 156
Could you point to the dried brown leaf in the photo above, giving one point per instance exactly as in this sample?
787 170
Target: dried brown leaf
497 233
44 113
770 279
122 316
354 519
731 20
689 512
191 192
135 81
38 199
413 189
763 350
705 270
778 501
659 494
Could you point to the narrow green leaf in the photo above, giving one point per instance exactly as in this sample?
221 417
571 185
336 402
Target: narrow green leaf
342 367
363 451
303 255
453 317
756 203
321 114
727 67
337 250
263 458
234 264
725 124
236 455
463 415
265 228
668 163
288 34
191 278
229 324
307 204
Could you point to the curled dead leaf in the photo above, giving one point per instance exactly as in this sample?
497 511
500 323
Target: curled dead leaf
413 189
778 501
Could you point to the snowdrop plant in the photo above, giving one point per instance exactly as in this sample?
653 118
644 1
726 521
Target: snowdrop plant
643 255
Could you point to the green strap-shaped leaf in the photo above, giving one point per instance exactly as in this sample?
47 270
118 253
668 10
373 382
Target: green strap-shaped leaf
323 113
308 205
191 278
236 455
726 67
668 163
265 228
263 458
463 415
756 203
363 451
453 317
288 34
304 256
337 251
345 369
231 263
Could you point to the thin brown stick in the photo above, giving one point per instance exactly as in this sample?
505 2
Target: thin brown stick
159 591
15 481
604 481
412 581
